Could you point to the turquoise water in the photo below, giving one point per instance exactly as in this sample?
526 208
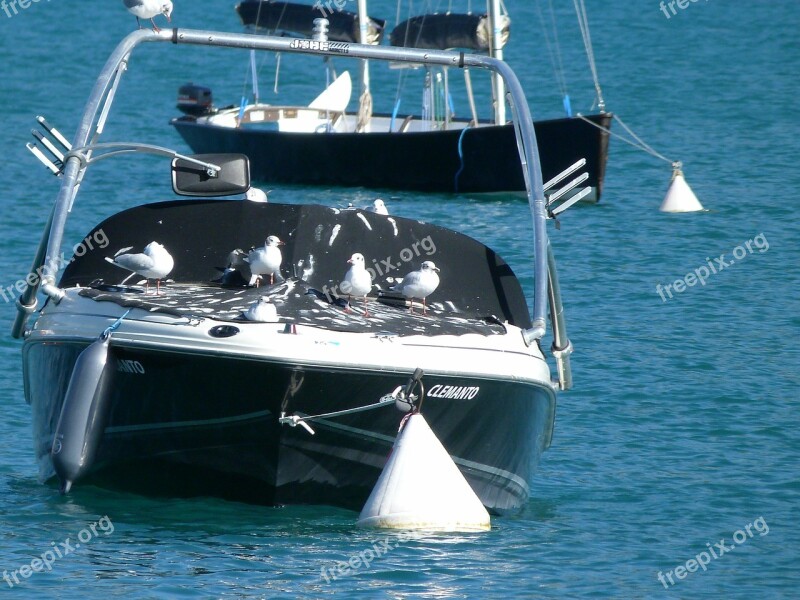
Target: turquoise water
683 426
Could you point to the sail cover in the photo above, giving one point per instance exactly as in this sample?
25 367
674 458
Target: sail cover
446 31
293 18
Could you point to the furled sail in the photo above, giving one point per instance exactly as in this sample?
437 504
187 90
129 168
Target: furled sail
293 18
446 31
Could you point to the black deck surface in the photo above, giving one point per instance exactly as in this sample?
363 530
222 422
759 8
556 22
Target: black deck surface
296 302
475 282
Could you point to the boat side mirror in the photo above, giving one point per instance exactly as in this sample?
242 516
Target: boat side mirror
192 179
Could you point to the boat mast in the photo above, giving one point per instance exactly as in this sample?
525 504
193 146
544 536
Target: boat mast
496 51
365 99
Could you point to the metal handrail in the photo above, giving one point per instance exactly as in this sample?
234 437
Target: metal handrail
102 95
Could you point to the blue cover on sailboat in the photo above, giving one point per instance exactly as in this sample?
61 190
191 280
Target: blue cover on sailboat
292 18
446 31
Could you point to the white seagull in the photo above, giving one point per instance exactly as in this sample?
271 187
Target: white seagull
255 194
379 207
357 281
262 311
419 284
154 263
266 260
147 9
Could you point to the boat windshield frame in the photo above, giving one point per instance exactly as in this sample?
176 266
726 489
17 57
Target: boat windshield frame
99 104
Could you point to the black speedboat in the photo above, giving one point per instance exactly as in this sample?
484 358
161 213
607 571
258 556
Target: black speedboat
176 383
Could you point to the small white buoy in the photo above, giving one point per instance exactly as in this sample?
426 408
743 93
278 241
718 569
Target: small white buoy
421 487
680 197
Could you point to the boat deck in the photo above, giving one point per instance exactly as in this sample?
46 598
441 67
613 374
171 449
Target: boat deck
300 304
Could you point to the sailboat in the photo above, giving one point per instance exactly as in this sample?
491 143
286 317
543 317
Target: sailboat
324 144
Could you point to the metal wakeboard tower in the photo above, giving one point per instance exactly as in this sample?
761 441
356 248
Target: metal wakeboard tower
546 286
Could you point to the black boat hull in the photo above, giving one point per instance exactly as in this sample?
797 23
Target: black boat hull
482 160
175 416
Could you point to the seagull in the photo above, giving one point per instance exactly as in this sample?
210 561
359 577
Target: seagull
379 207
236 272
262 311
255 194
266 260
419 284
357 281
154 263
147 9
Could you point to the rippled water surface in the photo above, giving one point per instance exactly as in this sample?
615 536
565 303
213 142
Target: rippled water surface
683 426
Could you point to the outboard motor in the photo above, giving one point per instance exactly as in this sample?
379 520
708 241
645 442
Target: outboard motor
195 100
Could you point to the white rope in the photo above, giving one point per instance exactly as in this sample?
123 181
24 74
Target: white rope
364 111
583 22
300 417
638 143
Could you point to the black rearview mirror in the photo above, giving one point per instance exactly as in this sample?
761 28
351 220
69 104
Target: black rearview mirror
193 179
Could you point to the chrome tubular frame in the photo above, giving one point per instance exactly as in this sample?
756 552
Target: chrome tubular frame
546 292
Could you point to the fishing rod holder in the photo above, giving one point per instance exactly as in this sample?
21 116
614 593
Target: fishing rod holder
55 145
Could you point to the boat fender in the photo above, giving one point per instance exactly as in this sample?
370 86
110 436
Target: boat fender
83 414
680 198
422 488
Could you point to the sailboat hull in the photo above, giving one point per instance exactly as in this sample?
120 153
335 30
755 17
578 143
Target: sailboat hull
474 160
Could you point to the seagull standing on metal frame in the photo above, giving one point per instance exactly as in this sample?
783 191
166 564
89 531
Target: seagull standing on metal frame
148 9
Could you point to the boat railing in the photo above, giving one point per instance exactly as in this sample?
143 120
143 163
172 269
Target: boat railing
259 113
102 96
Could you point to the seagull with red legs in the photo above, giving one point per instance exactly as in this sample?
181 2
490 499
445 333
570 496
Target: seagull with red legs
357 281
148 9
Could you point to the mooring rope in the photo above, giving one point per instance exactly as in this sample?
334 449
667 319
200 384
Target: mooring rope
297 418
639 143
114 326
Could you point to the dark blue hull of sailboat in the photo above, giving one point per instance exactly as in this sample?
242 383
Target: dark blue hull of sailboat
482 160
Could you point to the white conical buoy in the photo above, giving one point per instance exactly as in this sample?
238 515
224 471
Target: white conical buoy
680 197
421 487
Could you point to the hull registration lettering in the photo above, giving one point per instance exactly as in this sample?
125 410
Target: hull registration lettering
130 366
454 392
